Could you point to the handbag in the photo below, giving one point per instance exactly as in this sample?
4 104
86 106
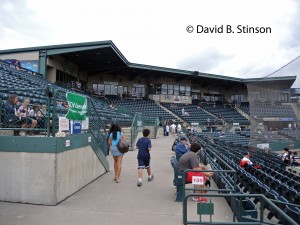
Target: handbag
123 146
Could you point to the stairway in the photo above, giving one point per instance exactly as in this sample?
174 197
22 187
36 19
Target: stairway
127 134
152 134
253 122
173 114
296 111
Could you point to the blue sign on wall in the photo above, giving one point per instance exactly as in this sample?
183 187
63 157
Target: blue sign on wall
75 127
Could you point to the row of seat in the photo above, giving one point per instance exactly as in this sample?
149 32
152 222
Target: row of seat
193 114
146 107
247 182
36 84
230 114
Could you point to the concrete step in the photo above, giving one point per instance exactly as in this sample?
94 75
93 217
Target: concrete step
152 131
296 111
173 114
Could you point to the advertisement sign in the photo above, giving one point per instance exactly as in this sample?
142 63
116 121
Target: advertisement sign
156 98
68 143
176 99
75 127
85 124
263 145
63 124
185 99
77 106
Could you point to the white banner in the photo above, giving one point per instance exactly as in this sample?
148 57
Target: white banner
63 123
85 124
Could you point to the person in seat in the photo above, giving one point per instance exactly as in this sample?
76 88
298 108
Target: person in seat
182 147
190 160
24 114
246 163
10 115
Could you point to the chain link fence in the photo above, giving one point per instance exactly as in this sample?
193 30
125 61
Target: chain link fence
24 112
44 114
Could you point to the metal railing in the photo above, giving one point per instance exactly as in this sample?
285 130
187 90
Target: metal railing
136 126
96 125
261 220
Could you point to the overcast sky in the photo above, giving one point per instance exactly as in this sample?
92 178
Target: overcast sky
154 32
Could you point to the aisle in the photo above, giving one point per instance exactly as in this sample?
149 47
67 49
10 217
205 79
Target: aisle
106 203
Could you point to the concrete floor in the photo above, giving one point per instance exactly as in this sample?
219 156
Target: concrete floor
104 202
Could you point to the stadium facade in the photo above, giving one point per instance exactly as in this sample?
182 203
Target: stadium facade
101 67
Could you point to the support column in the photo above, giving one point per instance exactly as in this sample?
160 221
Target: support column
43 62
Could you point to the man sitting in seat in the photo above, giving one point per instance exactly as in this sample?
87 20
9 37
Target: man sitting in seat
190 160
23 113
246 162
182 147
37 114
10 116
295 159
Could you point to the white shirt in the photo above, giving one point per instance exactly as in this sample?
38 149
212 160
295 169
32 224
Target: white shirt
173 126
178 127
245 159
283 156
167 128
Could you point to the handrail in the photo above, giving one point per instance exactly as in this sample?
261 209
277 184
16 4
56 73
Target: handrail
202 189
134 128
263 201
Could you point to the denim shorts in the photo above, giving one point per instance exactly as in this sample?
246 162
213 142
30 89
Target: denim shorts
115 152
143 163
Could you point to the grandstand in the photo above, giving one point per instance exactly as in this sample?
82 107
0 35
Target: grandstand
232 116
269 178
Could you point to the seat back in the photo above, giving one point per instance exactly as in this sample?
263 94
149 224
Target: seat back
294 213
178 176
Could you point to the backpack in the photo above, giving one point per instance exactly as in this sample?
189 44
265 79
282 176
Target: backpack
123 146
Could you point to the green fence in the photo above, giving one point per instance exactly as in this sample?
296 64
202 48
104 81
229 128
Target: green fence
96 126
21 115
136 126
138 123
43 116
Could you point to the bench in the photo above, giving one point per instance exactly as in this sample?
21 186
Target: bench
178 180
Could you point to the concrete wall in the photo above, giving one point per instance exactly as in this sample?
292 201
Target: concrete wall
51 74
21 56
170 98
46 178
55 62
27 177
75 169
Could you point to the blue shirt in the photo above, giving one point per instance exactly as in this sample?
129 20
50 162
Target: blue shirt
181 149
143 144
9 108
115 142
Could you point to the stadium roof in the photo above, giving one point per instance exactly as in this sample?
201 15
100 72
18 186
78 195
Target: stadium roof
104 57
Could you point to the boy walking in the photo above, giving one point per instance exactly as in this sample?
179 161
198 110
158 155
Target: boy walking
144 146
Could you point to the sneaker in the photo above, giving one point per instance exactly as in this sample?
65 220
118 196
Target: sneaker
199 199
151 177
139 183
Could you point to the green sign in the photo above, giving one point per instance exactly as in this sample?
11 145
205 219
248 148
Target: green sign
77 107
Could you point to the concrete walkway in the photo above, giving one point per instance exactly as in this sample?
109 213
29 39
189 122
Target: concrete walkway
106 203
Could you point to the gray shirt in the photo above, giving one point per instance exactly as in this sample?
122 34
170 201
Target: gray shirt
189 160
